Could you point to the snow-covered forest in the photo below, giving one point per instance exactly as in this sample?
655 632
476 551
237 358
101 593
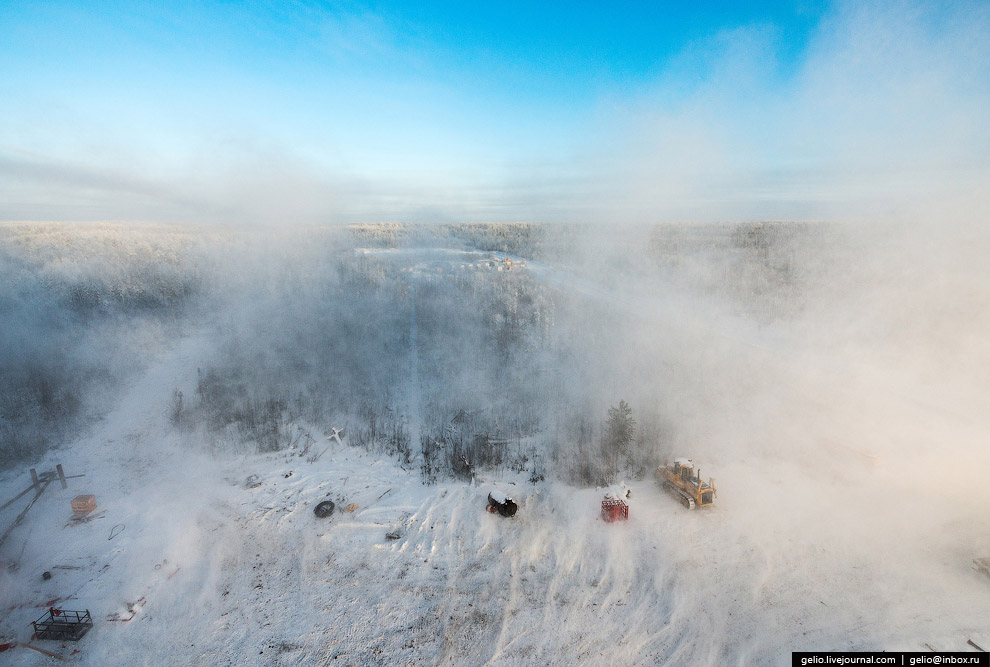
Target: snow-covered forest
826 374
438 344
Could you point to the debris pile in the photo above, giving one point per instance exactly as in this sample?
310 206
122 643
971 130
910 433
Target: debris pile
499 503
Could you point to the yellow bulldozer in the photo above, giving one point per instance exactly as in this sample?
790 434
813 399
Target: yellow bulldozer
680 481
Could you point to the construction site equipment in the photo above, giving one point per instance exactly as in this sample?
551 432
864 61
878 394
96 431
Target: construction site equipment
681 481
614 509
63 624
500 503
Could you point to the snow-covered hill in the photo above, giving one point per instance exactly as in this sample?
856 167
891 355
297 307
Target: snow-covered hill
194 560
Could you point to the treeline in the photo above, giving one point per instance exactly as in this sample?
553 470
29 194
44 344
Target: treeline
325 333
453 371
521 238
313 329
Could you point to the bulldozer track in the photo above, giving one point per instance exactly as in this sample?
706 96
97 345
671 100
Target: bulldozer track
685 499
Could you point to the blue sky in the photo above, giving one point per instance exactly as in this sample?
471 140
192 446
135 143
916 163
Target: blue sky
338 112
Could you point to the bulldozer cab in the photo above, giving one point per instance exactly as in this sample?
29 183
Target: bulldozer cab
683 468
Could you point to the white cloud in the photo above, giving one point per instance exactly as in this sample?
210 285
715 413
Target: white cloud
885 117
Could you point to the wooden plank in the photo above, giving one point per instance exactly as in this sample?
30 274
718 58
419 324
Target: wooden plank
17 497
34 478
20 517
43 651
61 476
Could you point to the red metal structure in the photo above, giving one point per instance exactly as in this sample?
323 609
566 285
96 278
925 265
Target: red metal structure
614 509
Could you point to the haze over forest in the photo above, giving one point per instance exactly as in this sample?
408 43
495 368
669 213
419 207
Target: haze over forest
713 333
253 258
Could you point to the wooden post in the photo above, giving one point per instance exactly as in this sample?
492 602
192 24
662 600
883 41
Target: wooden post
34 478
61 476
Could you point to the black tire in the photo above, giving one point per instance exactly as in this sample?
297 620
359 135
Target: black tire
324 509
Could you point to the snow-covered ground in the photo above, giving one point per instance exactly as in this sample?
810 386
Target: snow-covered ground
194 559
209 567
